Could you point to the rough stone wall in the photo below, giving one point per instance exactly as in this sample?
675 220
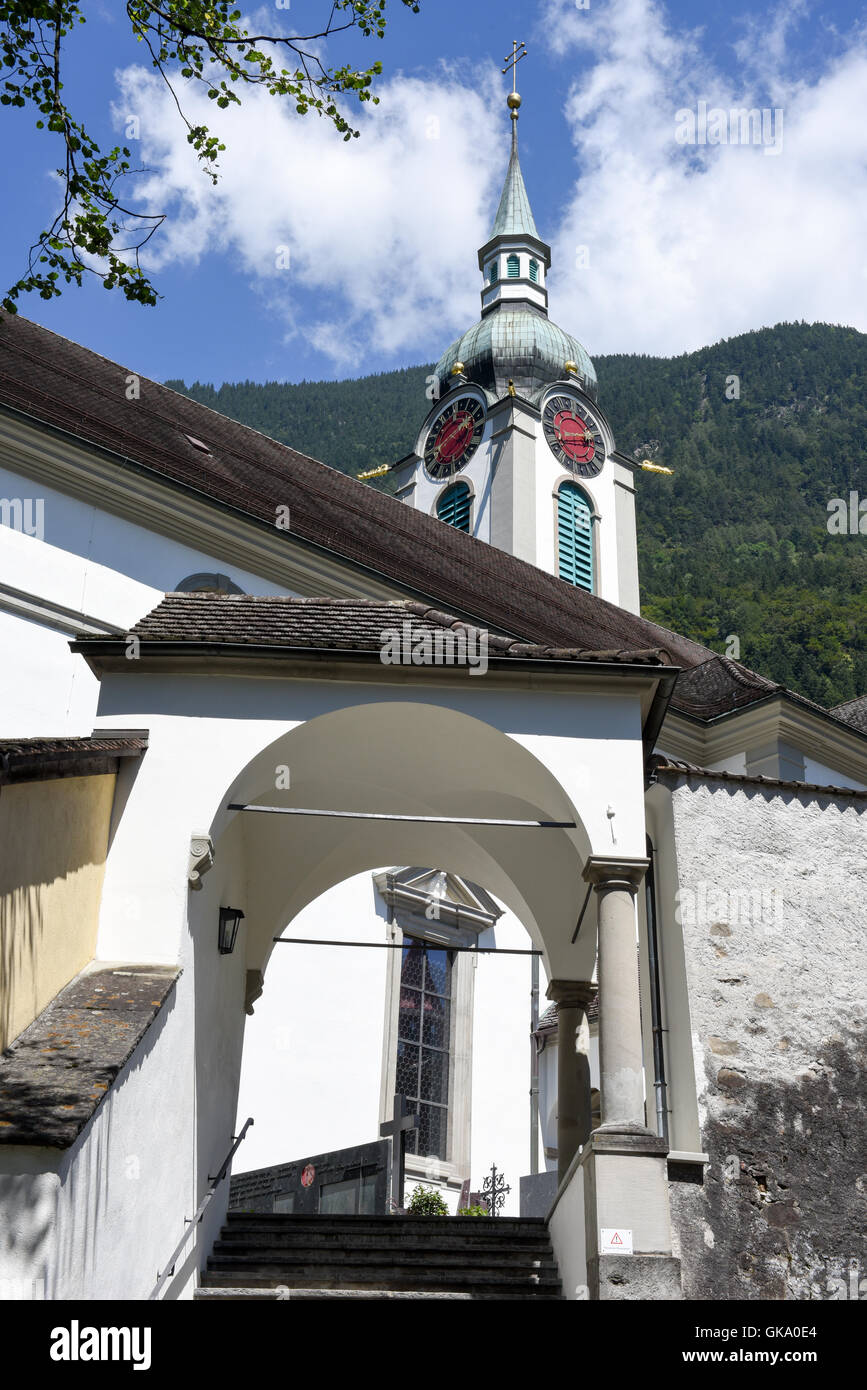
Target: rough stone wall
773 901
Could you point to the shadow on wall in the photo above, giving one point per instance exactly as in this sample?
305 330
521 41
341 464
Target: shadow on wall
22 928
112 1188
52 856
780 1213
91 1221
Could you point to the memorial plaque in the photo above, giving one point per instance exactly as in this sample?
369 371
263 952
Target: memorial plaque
347 1182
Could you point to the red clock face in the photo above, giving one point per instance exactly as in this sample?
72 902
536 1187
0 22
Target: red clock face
454 436
573 435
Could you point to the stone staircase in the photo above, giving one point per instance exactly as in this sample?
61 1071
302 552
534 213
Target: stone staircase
379 1257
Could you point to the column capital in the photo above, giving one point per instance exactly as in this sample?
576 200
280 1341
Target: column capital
574 994
610 871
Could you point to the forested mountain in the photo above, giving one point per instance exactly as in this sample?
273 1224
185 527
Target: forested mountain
737 542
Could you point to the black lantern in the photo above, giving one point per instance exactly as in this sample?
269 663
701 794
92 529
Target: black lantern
229 919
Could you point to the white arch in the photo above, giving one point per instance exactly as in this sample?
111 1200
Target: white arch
408 758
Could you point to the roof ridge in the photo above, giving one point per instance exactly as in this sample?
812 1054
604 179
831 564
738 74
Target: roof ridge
661 762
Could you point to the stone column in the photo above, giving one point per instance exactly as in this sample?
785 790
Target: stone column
624 1163
573 1068
620 1046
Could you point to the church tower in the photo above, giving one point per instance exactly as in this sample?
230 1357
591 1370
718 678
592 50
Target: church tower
515 449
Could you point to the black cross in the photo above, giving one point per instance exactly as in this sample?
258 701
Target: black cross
396 1128
494 1189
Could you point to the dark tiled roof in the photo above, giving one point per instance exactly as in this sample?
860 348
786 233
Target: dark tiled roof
56 1073
718 685
853 712
66 386
674 767
331 624
37 759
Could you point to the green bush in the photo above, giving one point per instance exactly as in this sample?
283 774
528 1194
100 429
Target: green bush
474 1211
426 1201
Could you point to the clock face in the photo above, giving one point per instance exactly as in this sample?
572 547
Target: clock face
454 436
573 435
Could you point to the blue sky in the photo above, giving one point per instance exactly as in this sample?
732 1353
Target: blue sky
681 244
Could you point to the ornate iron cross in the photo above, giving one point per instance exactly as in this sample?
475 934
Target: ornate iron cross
397 1128
494 1189
512 60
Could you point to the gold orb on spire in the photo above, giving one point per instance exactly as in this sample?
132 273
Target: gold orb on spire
457 369
518 52
571 367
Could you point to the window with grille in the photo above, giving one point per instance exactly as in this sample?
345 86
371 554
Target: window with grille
424 1044
453 507
534 270
513 267
574 537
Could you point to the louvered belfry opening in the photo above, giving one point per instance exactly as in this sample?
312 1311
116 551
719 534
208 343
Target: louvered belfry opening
575 537
453 507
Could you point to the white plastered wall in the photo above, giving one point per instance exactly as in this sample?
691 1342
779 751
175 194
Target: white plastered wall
93 563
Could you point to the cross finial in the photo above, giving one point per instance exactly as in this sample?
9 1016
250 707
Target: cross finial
519 51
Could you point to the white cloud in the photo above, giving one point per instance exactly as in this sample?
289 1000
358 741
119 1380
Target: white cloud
687 244
381 231
691 244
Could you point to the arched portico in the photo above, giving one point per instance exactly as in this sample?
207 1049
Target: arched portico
527 782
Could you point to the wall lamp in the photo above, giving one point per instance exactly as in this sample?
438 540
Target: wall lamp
230 918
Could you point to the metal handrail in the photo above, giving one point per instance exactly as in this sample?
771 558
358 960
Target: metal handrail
194 1220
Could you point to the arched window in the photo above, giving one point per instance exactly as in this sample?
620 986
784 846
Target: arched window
513 267
574 537
207 584
453 507
493 273
534 270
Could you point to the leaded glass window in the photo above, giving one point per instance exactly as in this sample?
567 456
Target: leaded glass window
424 1044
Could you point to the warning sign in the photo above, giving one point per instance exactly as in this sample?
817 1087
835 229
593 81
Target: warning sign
616 1242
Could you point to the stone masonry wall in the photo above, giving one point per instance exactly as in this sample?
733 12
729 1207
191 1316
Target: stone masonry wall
773 901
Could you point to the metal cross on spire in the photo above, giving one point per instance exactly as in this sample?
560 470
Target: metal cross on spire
519 51
513 101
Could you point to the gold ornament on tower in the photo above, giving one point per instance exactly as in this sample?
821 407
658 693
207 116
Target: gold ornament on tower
512 60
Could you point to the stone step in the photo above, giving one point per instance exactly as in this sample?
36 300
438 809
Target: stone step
240 1293
226 1255
260 1254
444 1281
473 1227
334 1244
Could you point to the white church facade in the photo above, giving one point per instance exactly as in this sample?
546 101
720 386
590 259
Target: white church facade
569 883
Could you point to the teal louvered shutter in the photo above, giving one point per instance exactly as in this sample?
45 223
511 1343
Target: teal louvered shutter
513 267
534 270
492 273
575 537
454 507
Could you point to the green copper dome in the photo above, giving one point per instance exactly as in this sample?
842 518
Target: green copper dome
516 343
